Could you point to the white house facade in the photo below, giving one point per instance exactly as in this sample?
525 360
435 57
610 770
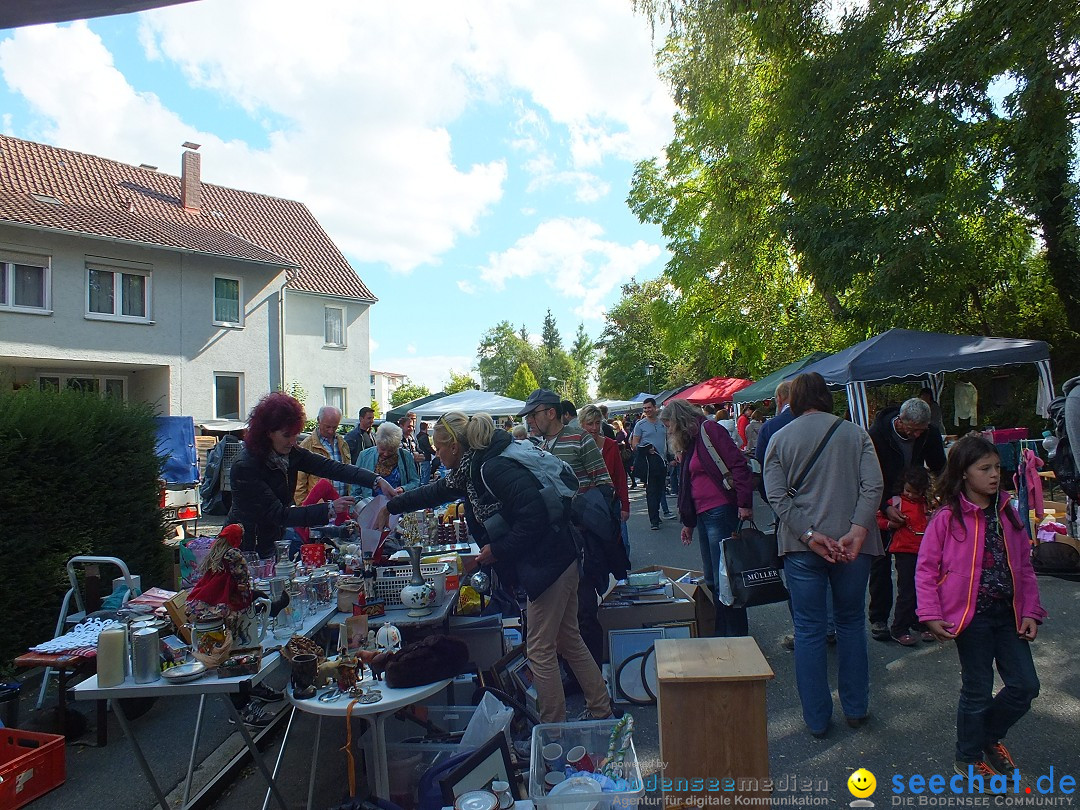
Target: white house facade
196 298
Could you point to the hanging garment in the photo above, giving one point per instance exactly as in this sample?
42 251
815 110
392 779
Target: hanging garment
965 403
1029 469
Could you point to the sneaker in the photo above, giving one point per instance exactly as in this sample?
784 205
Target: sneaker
927 636
656 527
788 643
266 694
906 639
999 758
880 631
979 767
255 715
586 716
671 516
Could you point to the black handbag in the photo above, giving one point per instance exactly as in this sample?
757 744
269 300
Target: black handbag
753 567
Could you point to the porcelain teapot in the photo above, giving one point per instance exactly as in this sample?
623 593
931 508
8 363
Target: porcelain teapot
252 623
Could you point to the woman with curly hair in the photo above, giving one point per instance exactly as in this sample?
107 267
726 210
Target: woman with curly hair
264 476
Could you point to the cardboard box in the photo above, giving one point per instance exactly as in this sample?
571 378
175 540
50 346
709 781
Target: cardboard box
628 617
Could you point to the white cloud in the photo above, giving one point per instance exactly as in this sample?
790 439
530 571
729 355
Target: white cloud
466 287
573 259
373 345
430 370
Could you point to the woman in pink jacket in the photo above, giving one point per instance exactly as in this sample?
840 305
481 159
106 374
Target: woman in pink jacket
975 585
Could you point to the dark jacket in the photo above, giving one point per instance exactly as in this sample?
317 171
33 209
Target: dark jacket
423 445
358 440
928 450
262 495
533 552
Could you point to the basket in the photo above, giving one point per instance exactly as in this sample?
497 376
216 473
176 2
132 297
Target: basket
594 736
31 764
391 579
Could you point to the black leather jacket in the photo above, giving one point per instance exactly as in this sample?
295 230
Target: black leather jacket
533 552
262 495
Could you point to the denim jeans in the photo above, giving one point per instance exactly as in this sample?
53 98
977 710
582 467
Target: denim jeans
425 472
984 718
715 526
625 537
807 577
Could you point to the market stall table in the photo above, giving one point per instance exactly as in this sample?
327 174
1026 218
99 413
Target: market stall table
392 700
67 665
209 684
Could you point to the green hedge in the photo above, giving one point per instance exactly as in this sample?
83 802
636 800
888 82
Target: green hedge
78 475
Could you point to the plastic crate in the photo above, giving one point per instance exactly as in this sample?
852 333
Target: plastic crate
594 735
31 764
393 578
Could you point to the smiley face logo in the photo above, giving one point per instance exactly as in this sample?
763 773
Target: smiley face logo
861 783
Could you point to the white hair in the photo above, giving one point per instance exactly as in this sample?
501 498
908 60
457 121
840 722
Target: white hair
327 409
388 435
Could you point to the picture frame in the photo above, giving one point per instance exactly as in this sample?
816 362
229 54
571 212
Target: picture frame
488 763
502 668
685 629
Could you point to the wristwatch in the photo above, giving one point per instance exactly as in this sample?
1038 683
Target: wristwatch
808 535
378 480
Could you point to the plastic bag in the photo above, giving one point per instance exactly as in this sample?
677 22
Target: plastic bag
468 603
490 718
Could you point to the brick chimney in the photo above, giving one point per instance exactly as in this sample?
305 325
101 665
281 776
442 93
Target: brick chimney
190 178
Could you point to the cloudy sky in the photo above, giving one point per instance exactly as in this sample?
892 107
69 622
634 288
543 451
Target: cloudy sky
471 159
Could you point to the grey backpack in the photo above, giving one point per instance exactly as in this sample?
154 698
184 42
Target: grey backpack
558 481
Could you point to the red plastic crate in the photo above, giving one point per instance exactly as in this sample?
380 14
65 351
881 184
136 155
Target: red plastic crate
31 764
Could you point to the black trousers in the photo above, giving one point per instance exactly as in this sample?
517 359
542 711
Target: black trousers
881 588
904 617
651 465
588 606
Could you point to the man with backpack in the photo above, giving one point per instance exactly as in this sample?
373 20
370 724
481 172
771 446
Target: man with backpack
592 509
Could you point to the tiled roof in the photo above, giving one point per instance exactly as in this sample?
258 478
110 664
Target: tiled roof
104 198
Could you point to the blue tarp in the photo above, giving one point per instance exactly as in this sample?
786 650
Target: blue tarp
176 441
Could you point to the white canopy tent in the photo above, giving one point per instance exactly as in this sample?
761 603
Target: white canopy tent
470 402
619 405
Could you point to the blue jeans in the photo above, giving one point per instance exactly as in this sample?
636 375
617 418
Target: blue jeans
808 579
984 718
715 526
625 537
425 472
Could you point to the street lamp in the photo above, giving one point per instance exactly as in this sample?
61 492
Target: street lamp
648 376
555 380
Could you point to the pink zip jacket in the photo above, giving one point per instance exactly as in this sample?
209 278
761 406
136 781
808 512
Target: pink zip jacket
950 565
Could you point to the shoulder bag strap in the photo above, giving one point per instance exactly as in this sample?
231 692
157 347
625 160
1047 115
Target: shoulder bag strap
724 471
793 490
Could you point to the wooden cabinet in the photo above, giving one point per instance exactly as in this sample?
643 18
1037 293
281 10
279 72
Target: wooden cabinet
713 721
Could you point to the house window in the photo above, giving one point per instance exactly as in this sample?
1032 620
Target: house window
88 385
49 383
228 393
372 394
23 285
115 293
335 398
227 295
335 326
372 379
112 387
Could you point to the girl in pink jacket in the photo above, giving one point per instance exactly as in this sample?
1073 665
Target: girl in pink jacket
975 585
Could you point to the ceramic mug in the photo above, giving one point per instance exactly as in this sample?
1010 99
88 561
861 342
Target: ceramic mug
251 624
578 759
553 757
305 668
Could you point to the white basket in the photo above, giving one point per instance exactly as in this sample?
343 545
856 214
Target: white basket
391 579
593 735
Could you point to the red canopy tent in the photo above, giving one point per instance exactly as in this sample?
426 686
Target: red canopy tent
716 390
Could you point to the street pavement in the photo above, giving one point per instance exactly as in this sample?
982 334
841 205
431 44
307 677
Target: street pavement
911 728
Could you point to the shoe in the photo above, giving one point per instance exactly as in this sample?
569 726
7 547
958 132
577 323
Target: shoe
255 715
586 716
266 694
788 643
880 631
656 527
999 758
821 735
672 516
906 639
830 638
858 722
927 636
979 767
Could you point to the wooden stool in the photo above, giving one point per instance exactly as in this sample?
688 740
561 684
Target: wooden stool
713 722
66 666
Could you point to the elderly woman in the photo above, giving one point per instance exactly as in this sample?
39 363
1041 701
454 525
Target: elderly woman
508 517
717 492
264 476
824 482
389 460
591 420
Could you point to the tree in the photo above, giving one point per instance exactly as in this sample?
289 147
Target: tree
632 339
460 382
832 178
407 392
522 383
550 339
499 354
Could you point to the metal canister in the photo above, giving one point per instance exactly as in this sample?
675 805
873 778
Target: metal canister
145 655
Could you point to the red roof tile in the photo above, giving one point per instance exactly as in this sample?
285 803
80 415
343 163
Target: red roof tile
114 200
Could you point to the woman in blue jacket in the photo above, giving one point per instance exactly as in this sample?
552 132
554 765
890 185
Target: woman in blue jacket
388 460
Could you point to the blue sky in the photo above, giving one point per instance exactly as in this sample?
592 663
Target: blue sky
471 159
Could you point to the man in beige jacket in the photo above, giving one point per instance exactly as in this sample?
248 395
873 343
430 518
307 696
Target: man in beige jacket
324 441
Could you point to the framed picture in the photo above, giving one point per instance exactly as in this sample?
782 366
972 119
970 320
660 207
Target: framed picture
489 763
502 668
687 629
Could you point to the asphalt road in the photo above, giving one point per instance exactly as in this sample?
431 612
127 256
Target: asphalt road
911 730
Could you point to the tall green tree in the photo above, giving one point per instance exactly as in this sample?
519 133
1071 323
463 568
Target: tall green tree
522 383
460 382
407 392
500 352
550 339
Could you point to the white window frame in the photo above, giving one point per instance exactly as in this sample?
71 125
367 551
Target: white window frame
119 269
344 328
344 405
236 375
101 379
240 302
8 260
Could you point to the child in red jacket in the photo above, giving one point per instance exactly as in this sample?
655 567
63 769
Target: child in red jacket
904 546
